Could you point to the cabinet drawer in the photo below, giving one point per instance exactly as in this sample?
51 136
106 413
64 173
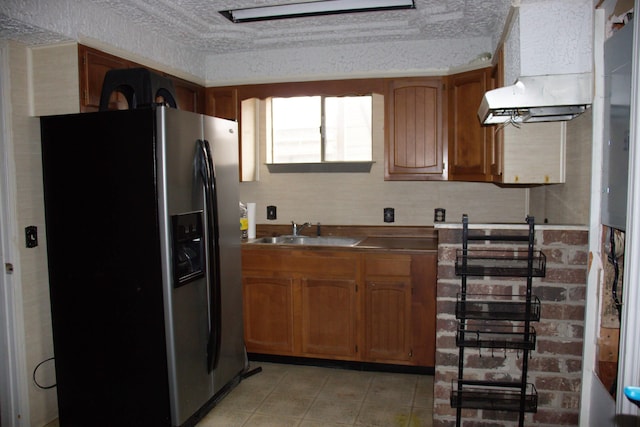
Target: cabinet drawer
271 261
336 264
398 265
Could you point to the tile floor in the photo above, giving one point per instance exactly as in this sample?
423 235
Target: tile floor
308 396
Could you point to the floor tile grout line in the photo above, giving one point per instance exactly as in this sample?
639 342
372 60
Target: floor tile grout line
255 410
415 392
415 395
314 398
371 378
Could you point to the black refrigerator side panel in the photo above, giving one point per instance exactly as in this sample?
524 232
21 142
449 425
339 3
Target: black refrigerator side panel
104 269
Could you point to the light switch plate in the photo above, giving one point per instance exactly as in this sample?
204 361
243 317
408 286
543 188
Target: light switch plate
31 236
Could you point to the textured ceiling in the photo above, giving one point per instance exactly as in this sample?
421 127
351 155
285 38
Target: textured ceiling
198 23
29 34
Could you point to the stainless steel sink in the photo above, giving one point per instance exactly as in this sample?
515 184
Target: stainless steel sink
310 240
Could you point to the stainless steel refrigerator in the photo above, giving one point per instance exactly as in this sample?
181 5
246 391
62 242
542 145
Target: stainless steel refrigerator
143 245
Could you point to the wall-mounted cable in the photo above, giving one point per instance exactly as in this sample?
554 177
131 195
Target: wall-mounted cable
47 387
613 259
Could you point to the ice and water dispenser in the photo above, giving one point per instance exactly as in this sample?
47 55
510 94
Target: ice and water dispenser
188 247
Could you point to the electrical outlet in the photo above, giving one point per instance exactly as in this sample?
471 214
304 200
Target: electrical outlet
272 212
389 215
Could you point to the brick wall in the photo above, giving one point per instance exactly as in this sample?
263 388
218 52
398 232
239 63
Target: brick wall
556 363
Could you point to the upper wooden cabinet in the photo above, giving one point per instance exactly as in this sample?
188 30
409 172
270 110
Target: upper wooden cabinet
93 66
496 138
223 103
470 143
414 142
432 130
189 96
226 101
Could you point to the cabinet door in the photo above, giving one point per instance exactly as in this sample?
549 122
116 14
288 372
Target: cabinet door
268 314
496 137
424 269
469 142
329 317
414 143
94 64
388 320
189 96
223 103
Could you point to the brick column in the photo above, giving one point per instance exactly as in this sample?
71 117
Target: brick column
555 366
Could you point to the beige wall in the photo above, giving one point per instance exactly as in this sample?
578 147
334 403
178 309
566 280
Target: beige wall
568 203
40 84
359 198
55 81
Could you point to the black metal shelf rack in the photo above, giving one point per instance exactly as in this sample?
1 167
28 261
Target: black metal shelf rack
496 336
493 395
497 321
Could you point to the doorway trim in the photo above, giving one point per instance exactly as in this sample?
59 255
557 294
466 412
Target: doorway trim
14 395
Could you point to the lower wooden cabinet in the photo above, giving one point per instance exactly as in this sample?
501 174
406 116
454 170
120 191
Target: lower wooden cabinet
342 305
387 316
388 320
268 313
328 321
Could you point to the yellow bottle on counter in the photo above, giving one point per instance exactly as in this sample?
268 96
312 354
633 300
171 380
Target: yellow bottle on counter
244 221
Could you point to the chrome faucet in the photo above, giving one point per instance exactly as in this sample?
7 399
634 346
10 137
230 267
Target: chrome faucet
296 228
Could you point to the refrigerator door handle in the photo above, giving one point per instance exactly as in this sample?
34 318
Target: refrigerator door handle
208 175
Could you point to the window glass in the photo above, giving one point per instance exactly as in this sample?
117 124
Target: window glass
348 128
321 129
296 129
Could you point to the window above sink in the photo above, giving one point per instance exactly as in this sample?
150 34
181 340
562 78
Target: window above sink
318 129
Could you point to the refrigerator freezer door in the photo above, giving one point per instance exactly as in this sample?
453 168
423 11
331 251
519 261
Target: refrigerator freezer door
186 307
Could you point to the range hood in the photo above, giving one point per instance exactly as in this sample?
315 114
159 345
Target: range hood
545 98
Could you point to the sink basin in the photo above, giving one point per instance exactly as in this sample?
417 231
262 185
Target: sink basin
310 240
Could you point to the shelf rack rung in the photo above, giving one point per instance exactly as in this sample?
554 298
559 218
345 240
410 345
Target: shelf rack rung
493 396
